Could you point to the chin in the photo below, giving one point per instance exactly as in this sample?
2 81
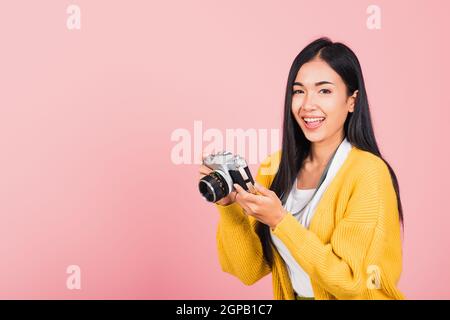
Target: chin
314 136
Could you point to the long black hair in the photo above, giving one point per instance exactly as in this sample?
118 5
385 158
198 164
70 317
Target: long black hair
357 127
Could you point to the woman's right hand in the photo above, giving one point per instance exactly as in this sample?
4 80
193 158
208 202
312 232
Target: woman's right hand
225 201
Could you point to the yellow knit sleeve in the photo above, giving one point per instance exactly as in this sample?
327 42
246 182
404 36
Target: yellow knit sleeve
239 248
366 239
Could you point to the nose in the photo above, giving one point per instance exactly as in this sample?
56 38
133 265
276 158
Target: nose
308 103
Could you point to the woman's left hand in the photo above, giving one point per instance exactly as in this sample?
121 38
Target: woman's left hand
265 206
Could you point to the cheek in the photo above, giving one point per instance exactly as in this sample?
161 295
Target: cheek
337 115
295 106
331 104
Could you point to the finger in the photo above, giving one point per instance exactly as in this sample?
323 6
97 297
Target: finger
262 190
246 196
204 170
251 188
239 189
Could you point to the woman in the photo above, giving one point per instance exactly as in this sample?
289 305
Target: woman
326 219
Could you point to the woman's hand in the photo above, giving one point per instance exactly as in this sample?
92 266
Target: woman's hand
265 207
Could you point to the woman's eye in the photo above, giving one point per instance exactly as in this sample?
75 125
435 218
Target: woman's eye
325 91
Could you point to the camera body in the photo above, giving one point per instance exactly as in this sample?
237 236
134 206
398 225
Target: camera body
227 170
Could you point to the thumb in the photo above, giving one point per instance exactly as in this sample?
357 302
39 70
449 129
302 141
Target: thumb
262 190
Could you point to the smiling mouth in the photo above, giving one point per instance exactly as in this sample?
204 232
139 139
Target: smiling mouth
313 123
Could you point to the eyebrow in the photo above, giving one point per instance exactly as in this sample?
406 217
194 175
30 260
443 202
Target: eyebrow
317 83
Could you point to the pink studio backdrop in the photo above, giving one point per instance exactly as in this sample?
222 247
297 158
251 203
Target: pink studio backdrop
86 118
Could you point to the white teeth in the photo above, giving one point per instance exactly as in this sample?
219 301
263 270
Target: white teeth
313 119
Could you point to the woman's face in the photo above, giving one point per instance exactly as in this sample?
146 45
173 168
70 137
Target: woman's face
320 96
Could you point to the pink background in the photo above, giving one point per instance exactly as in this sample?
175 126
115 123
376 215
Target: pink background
86 118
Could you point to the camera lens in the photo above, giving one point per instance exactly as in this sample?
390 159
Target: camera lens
213 187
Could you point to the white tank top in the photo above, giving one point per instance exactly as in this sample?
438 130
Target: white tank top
299 278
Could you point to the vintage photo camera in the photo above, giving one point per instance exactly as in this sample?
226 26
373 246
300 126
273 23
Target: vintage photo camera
227 170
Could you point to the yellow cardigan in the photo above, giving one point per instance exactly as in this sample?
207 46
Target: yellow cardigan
352 249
